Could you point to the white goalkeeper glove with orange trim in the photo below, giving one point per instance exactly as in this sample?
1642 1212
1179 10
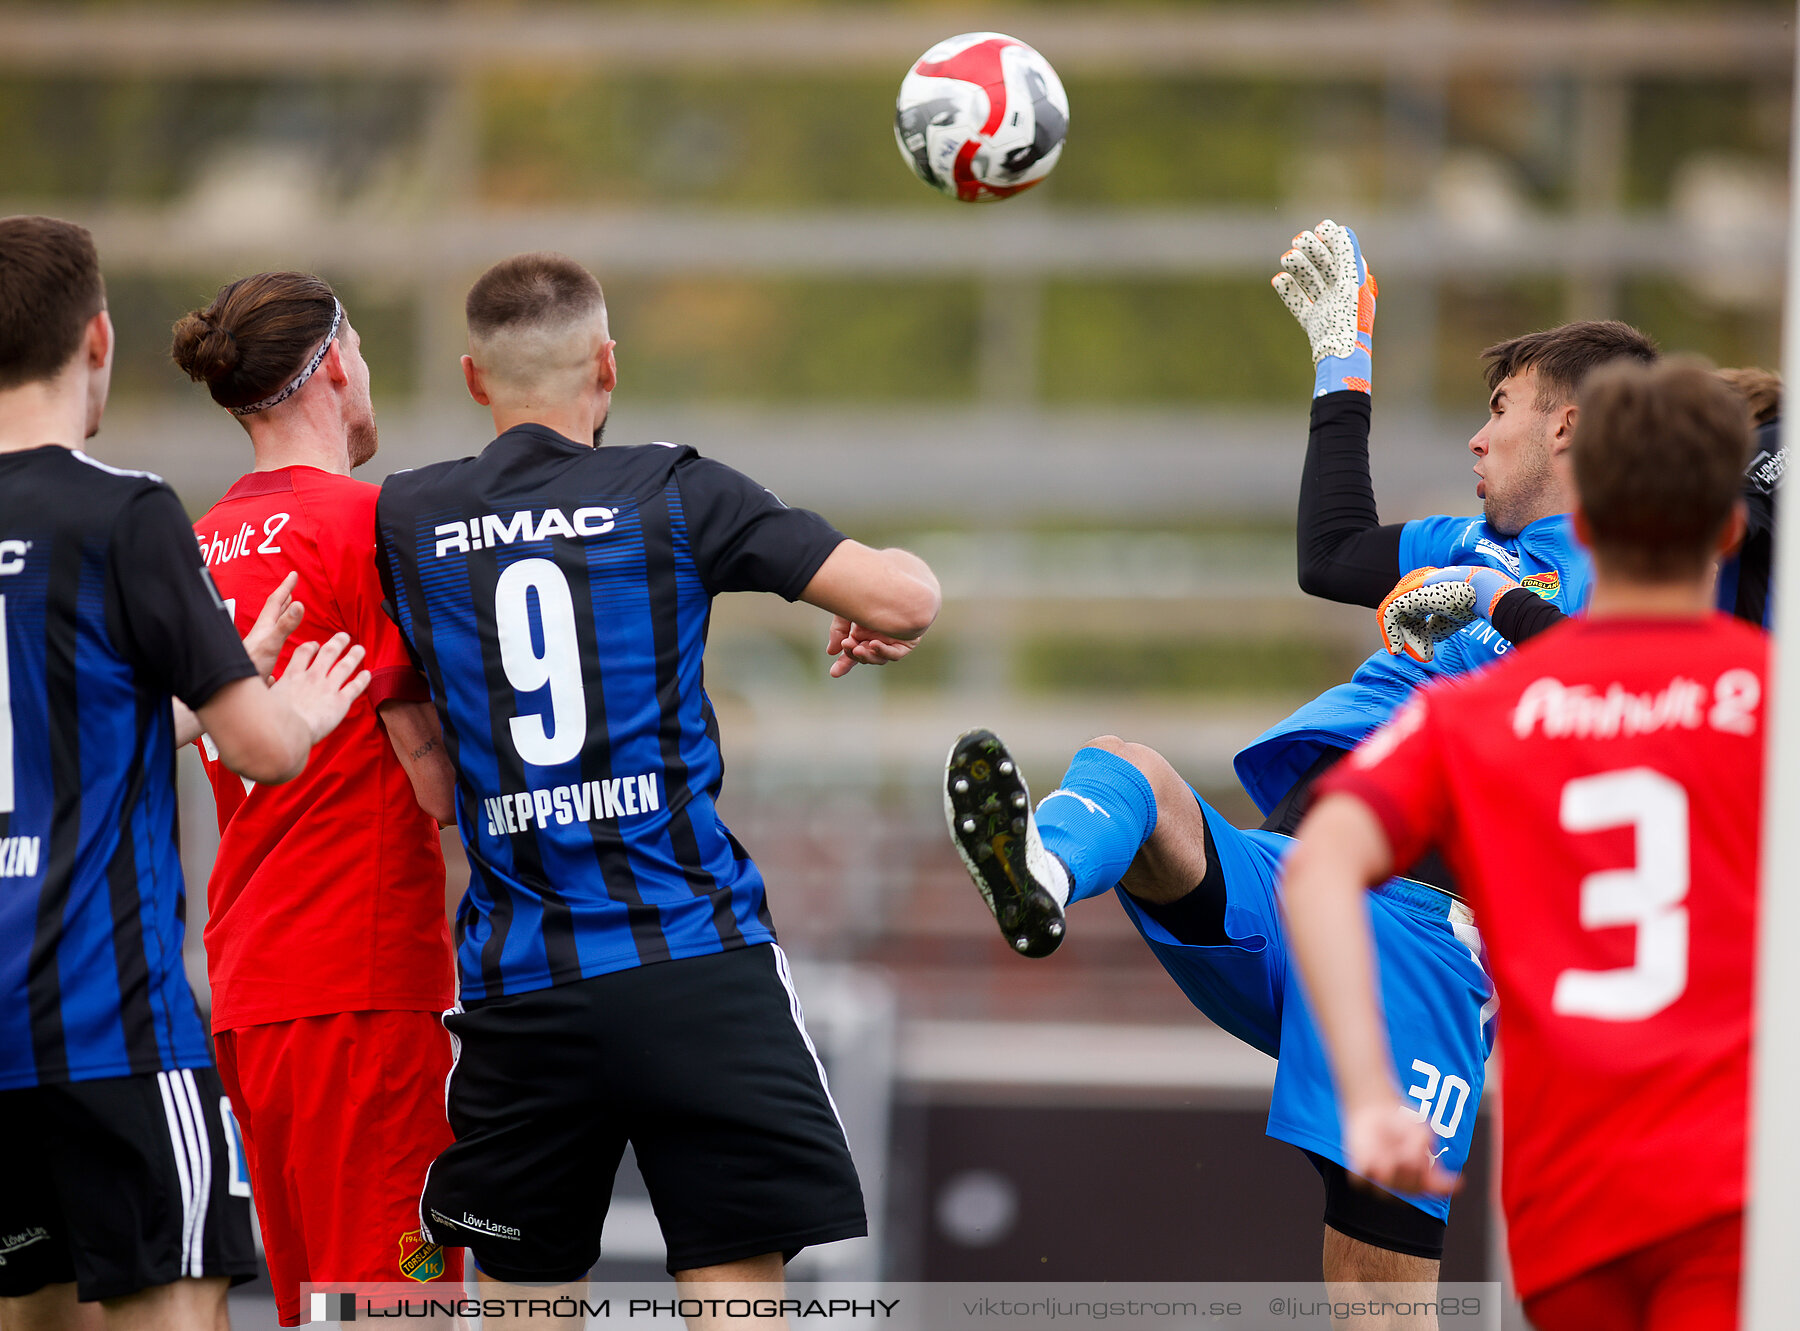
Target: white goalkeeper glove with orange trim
1431 604
1327 286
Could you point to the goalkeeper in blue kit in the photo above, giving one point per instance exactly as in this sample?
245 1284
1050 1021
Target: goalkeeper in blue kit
1429 605
1203 893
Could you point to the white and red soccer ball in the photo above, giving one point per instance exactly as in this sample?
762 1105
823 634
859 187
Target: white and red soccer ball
981 116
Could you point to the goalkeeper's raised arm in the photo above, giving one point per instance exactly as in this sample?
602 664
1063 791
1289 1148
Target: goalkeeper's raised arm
1344 552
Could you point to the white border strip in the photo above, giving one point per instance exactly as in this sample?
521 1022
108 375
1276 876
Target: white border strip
1772 1228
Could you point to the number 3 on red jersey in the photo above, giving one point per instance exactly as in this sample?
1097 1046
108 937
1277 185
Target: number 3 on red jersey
1648 895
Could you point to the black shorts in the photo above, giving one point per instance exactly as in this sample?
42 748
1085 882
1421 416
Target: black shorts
702 1064
122 1184
1362 1211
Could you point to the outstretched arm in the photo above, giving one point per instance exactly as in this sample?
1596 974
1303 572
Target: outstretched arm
266 731
881 602
183 643
275 622
1343 551
745 539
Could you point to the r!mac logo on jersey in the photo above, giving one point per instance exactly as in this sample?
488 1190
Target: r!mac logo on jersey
1545 585
490 530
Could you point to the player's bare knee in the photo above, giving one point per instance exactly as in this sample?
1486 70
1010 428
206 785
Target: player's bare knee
1349 1259
770 1268
1174 798
1178 816
52 1308
1157 770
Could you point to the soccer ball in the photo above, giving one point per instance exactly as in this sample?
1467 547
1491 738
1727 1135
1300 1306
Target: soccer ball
981 116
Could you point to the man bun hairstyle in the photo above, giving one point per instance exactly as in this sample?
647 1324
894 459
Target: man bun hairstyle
1659 454
50 287
1564 356
534 290
255 336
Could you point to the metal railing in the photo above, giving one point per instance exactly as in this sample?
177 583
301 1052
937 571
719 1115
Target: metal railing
1294 42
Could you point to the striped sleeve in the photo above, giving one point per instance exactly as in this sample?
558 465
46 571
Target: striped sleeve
744 538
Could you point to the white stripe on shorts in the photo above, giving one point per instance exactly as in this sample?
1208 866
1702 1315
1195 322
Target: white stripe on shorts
787 982
203 1190
1462 924
455 1050
178 1140
455 1058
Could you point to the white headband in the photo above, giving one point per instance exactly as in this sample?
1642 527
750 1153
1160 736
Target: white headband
299 380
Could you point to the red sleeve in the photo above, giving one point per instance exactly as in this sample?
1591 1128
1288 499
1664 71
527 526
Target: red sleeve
1399 773
350 562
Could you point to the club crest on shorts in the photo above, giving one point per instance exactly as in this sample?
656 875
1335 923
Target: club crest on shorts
420 1260
1545 585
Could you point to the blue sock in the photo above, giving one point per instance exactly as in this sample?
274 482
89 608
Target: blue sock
1096 821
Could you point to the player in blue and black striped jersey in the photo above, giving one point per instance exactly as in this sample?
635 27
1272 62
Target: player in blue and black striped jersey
620 979
124 1180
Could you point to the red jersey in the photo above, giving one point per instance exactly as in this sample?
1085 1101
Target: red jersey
328 892
1599 797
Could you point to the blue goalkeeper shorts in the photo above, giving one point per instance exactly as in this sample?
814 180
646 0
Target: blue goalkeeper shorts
1437 995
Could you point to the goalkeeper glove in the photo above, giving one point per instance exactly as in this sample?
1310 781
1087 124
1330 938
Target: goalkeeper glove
1328 287
1430 604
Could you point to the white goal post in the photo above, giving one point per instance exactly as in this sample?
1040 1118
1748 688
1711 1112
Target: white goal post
1772 1238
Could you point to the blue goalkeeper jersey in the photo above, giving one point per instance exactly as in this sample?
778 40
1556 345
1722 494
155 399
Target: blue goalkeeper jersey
556 596
1545 557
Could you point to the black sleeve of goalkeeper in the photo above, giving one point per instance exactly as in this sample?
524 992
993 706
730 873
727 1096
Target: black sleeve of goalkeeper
1344 553
1522 614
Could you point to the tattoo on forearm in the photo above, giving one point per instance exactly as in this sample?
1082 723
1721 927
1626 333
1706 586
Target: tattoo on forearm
424 749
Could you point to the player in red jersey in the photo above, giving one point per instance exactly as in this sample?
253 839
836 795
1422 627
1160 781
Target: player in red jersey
326 941
1599 796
